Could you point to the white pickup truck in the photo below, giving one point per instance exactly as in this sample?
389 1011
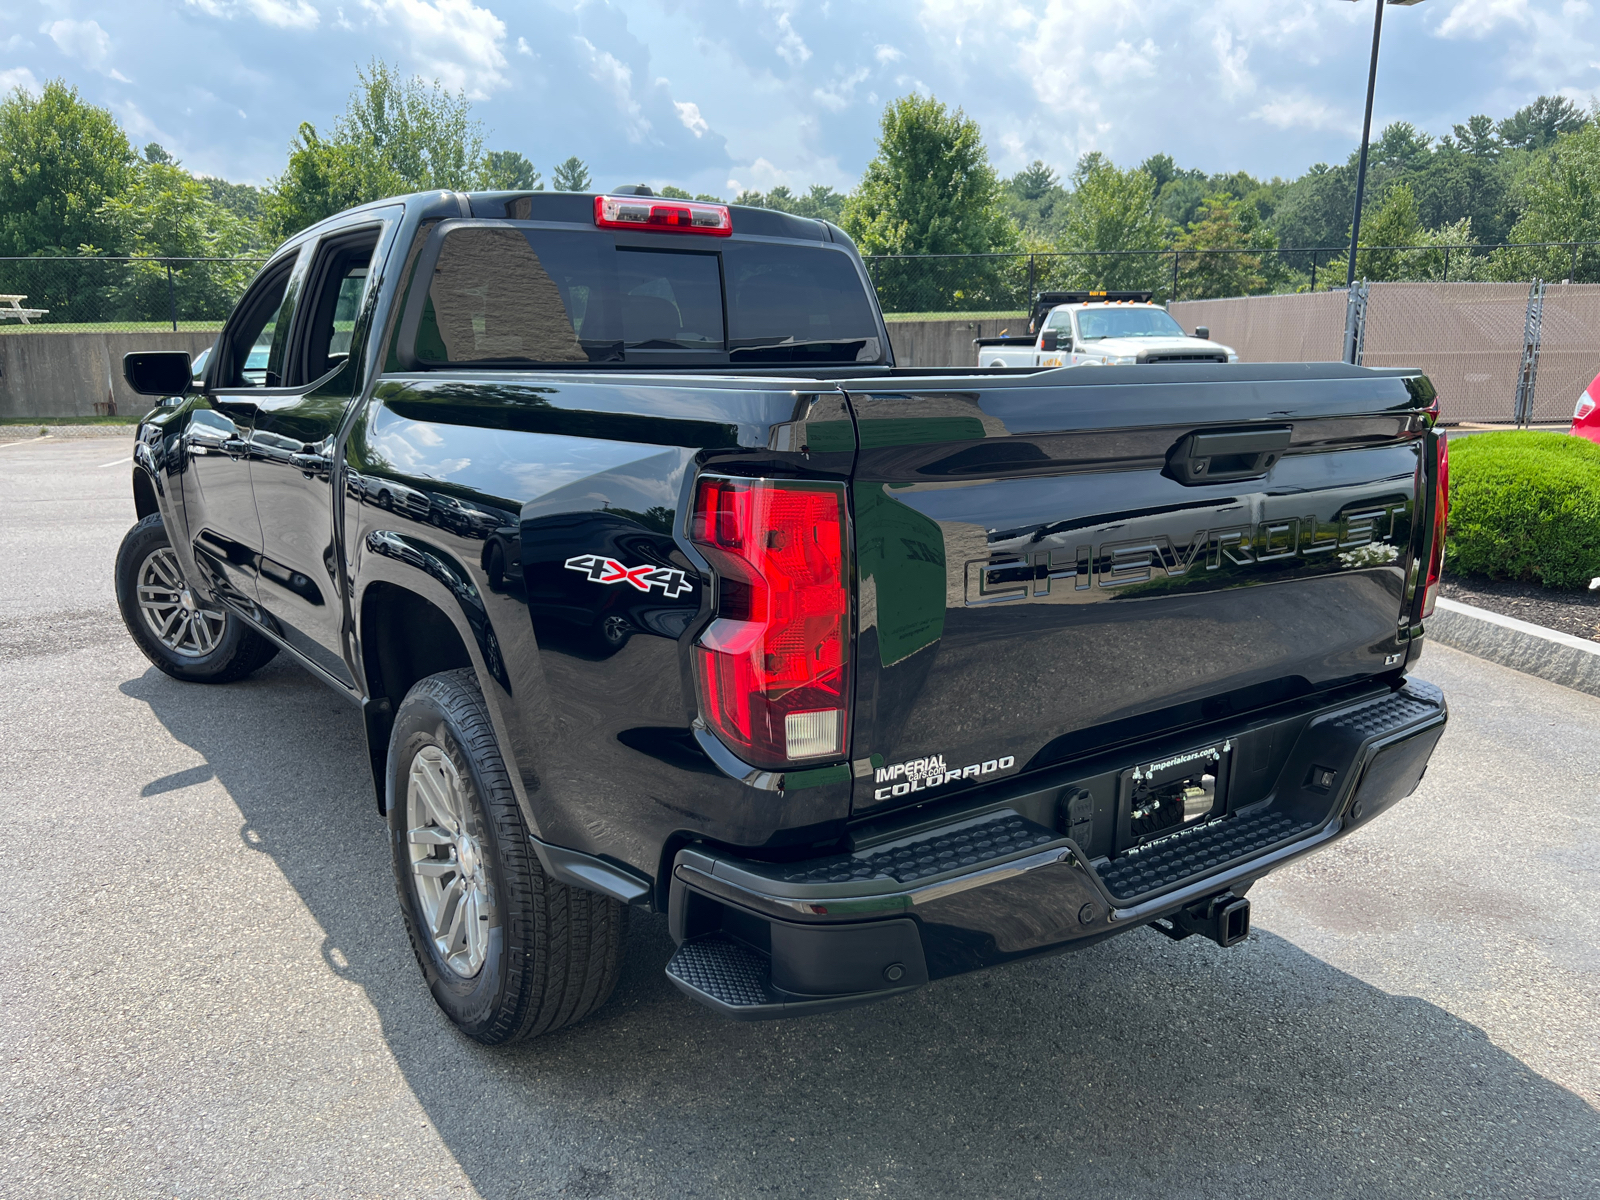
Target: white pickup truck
1100 329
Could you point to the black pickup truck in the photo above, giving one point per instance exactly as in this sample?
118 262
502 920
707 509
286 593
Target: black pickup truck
658 584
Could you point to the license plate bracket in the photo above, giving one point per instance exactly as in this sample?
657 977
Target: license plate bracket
1160 797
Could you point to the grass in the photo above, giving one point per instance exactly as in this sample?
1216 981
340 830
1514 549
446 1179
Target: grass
117 420
955 316
112 327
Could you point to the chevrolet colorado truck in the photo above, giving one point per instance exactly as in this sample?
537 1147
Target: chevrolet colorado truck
1100 329
659 585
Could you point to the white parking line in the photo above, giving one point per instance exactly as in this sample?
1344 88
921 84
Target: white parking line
23 442
118 463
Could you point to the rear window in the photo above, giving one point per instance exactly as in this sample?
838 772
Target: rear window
551 297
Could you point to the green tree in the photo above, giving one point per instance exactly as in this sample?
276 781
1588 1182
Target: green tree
1035 200
930 190
1397 221
508 171
1541 123
167 213
674 193
571 176
1224 223
1560 195
60 160
1478 138
396 135
1113 214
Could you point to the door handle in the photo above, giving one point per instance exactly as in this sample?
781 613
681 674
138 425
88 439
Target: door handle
236 447
310 464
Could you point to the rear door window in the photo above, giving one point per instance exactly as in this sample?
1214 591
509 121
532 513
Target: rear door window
516 296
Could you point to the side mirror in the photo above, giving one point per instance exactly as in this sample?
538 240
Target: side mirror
1049 340
158 372
1202 332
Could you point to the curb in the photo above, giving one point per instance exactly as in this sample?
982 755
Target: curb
1520 645
63 433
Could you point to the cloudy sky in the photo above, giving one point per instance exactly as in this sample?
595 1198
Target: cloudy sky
719 95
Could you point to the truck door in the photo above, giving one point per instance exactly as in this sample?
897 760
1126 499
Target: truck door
248 362
292 463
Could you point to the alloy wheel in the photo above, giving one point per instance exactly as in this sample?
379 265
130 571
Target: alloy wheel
171 610
448 864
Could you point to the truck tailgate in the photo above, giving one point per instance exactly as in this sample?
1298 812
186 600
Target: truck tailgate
1046 568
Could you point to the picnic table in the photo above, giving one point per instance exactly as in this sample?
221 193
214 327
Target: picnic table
11 306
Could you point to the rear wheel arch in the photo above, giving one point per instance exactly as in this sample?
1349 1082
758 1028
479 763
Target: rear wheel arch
405 637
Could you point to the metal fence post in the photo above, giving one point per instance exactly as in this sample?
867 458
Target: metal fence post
1528 372
1447 264
172 299
1313 270
1175 255
1572 275
1355 323
1032 284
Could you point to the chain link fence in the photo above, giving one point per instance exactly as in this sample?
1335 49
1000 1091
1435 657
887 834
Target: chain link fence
115 295
980 284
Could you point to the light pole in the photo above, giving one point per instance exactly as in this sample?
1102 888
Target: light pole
1366 133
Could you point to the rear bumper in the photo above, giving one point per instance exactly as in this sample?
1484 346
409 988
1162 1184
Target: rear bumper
760 940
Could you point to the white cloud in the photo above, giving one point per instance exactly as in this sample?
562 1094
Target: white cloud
1125 60
280 14
791 46
616 77
689 114
888 54
453 41
523 47
836 96
18 77
1301 111
1477 18
86 42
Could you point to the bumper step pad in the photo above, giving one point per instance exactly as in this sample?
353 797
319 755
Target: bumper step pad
734 980
993 837
722 969
1198 850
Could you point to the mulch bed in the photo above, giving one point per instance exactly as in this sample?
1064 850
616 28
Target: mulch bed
1577 613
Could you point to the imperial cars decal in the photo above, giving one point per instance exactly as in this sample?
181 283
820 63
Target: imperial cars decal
918 774
601 569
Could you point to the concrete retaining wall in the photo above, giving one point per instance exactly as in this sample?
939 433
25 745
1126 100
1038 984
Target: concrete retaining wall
945 343
75 374
47 375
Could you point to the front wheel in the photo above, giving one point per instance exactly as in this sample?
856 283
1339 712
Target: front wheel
507 952
174 628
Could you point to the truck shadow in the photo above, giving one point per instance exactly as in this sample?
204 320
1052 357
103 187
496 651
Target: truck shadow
1136 1068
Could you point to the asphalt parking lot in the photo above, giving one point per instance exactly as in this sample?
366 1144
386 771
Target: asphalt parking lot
205 989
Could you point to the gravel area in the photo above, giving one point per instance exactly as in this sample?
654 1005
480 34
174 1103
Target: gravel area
1576 613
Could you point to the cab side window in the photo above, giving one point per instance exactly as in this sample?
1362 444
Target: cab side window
258 342
337 290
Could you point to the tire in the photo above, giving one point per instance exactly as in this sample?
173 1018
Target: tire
547 954
199 645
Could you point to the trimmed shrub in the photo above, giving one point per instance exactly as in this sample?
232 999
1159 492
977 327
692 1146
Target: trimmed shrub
1525 505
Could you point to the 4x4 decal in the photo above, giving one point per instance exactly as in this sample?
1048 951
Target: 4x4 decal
601 569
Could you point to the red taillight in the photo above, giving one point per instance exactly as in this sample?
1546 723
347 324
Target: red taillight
1585 405
1441 511
773 668
662 216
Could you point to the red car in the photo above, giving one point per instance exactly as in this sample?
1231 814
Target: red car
1586 416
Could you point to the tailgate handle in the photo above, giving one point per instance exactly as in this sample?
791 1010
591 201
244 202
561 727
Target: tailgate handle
1222 455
